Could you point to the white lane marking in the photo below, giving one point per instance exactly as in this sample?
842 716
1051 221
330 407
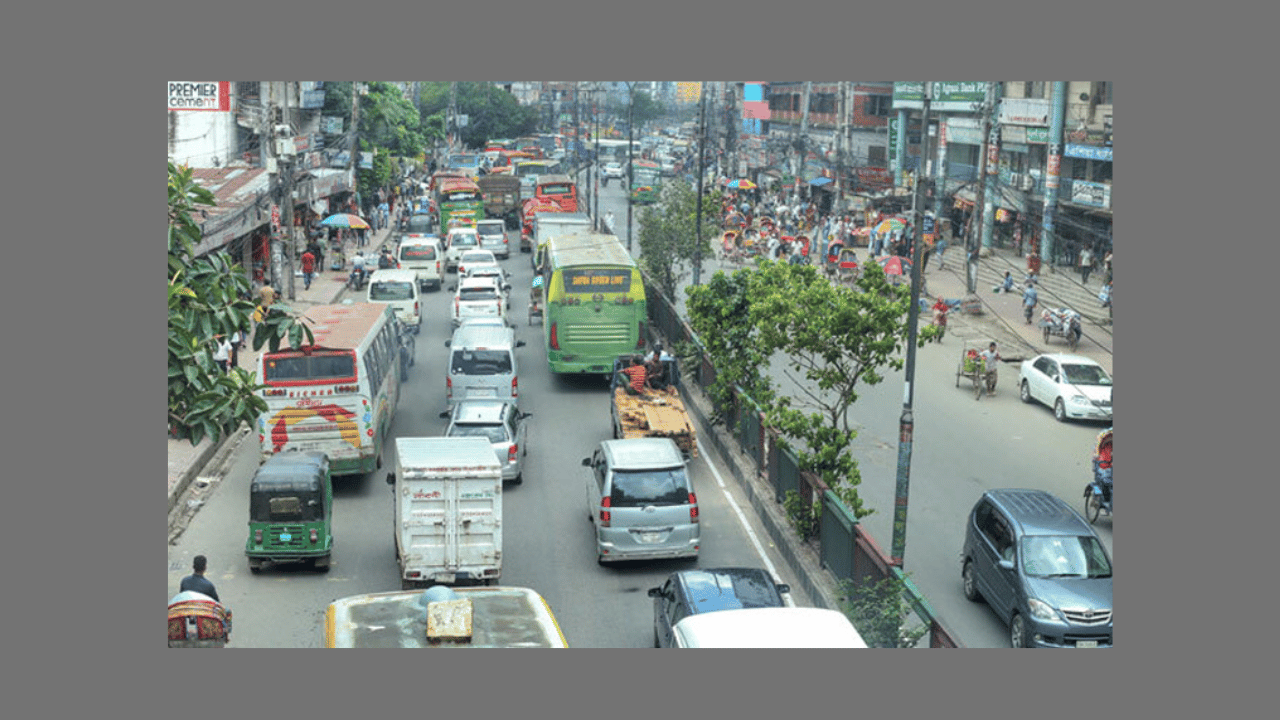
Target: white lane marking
742 519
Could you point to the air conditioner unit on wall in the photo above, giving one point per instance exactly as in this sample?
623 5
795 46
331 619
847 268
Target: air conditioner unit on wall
1026 182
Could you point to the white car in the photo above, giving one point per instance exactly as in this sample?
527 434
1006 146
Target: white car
1073 385
473 259
498 275
612 170
458 241
481 297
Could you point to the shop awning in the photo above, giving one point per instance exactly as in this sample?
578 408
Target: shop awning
820 181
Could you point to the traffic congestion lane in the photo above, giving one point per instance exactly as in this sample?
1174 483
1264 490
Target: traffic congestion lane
548 540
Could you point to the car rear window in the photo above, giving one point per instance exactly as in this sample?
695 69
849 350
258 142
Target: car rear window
419 223
495 433
649 487
387 291
481 362
477 293
418 252
463 239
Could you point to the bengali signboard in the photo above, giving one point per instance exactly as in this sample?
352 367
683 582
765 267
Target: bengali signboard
1024 111
1088 152
1091 193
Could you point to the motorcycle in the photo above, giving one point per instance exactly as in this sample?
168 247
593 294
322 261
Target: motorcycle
357 279
1099 493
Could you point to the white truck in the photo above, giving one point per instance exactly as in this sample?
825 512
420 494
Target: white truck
549 224
448 511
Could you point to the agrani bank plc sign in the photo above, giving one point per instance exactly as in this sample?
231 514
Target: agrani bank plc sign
200 95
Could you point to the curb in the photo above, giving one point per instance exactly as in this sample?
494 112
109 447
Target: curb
201 461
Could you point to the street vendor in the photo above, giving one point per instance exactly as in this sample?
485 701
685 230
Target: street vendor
989 359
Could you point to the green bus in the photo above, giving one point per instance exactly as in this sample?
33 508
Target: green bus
595 304
645 178
461 201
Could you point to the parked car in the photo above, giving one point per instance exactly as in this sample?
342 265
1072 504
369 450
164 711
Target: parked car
479 297
1041 568
690 592
493 237
499 421
1073 385
640 498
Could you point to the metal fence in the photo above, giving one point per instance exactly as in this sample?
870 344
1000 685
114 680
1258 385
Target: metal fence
849 553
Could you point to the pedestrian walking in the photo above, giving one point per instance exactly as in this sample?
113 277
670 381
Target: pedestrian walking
941 248
1086 264
308 269
1029 300
221 352
197 582
313 247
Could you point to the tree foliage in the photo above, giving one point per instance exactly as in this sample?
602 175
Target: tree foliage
491 111
668 233
830 337
207 297
645 109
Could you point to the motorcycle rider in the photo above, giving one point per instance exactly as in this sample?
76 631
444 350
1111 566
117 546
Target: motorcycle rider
1029 300
357 270
385 261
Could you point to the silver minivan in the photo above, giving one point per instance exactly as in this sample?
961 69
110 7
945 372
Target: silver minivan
424 255
640 498
482 363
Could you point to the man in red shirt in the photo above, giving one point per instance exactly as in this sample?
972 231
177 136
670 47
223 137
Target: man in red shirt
308 268
636 375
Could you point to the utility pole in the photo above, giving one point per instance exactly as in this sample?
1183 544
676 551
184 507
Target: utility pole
975 222
631 131
702 139
802 151
993 168
286 178
1053 162
595 114
453 134
906 423
841 125
274 271
578 146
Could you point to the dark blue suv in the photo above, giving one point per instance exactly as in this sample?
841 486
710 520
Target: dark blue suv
691 592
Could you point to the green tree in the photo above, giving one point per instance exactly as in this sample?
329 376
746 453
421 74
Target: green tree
668 233
491 111
645 109
830 337
206 297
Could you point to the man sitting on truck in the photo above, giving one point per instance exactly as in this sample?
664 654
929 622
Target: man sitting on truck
637 376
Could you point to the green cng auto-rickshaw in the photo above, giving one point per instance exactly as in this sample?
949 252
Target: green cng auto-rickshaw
290 508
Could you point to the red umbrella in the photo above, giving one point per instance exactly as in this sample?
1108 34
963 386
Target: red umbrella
895 265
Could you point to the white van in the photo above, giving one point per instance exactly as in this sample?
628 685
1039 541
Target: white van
458 241
424 254
771 627
482 363
493 237
399 289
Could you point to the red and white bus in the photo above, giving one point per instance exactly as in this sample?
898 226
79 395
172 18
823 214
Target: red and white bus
339 395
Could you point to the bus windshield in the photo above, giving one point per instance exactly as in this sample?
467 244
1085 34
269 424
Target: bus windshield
317 367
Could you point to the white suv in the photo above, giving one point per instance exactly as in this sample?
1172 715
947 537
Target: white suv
459 240
481 297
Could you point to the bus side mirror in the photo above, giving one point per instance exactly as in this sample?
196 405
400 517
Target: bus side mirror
391 478
586 462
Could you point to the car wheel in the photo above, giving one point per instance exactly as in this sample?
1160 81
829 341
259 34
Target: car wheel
255 565
519 479
1018 636
321 564
971 592
655 639
1024 392
1059 410
1046 334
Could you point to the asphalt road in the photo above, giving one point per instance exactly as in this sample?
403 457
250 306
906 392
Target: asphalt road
548 540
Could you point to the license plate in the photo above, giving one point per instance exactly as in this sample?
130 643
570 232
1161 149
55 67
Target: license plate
285 537
1086 643
650 537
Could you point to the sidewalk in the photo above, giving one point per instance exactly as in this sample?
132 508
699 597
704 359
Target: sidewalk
1002 313
186 461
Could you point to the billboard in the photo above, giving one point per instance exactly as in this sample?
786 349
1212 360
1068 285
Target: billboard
946 96
214 96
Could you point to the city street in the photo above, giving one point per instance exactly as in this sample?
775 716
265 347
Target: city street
548 540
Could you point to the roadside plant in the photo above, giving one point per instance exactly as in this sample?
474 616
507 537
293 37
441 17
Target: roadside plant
881 612
805 518
669 234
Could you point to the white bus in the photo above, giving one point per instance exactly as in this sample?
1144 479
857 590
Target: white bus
339 395
614 150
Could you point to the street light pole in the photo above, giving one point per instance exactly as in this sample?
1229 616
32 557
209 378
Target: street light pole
595 116
702 140
906 424
631 132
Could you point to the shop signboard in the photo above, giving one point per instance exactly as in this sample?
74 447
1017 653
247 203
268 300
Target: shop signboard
1024 111
1088 152
946 96
1091 194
